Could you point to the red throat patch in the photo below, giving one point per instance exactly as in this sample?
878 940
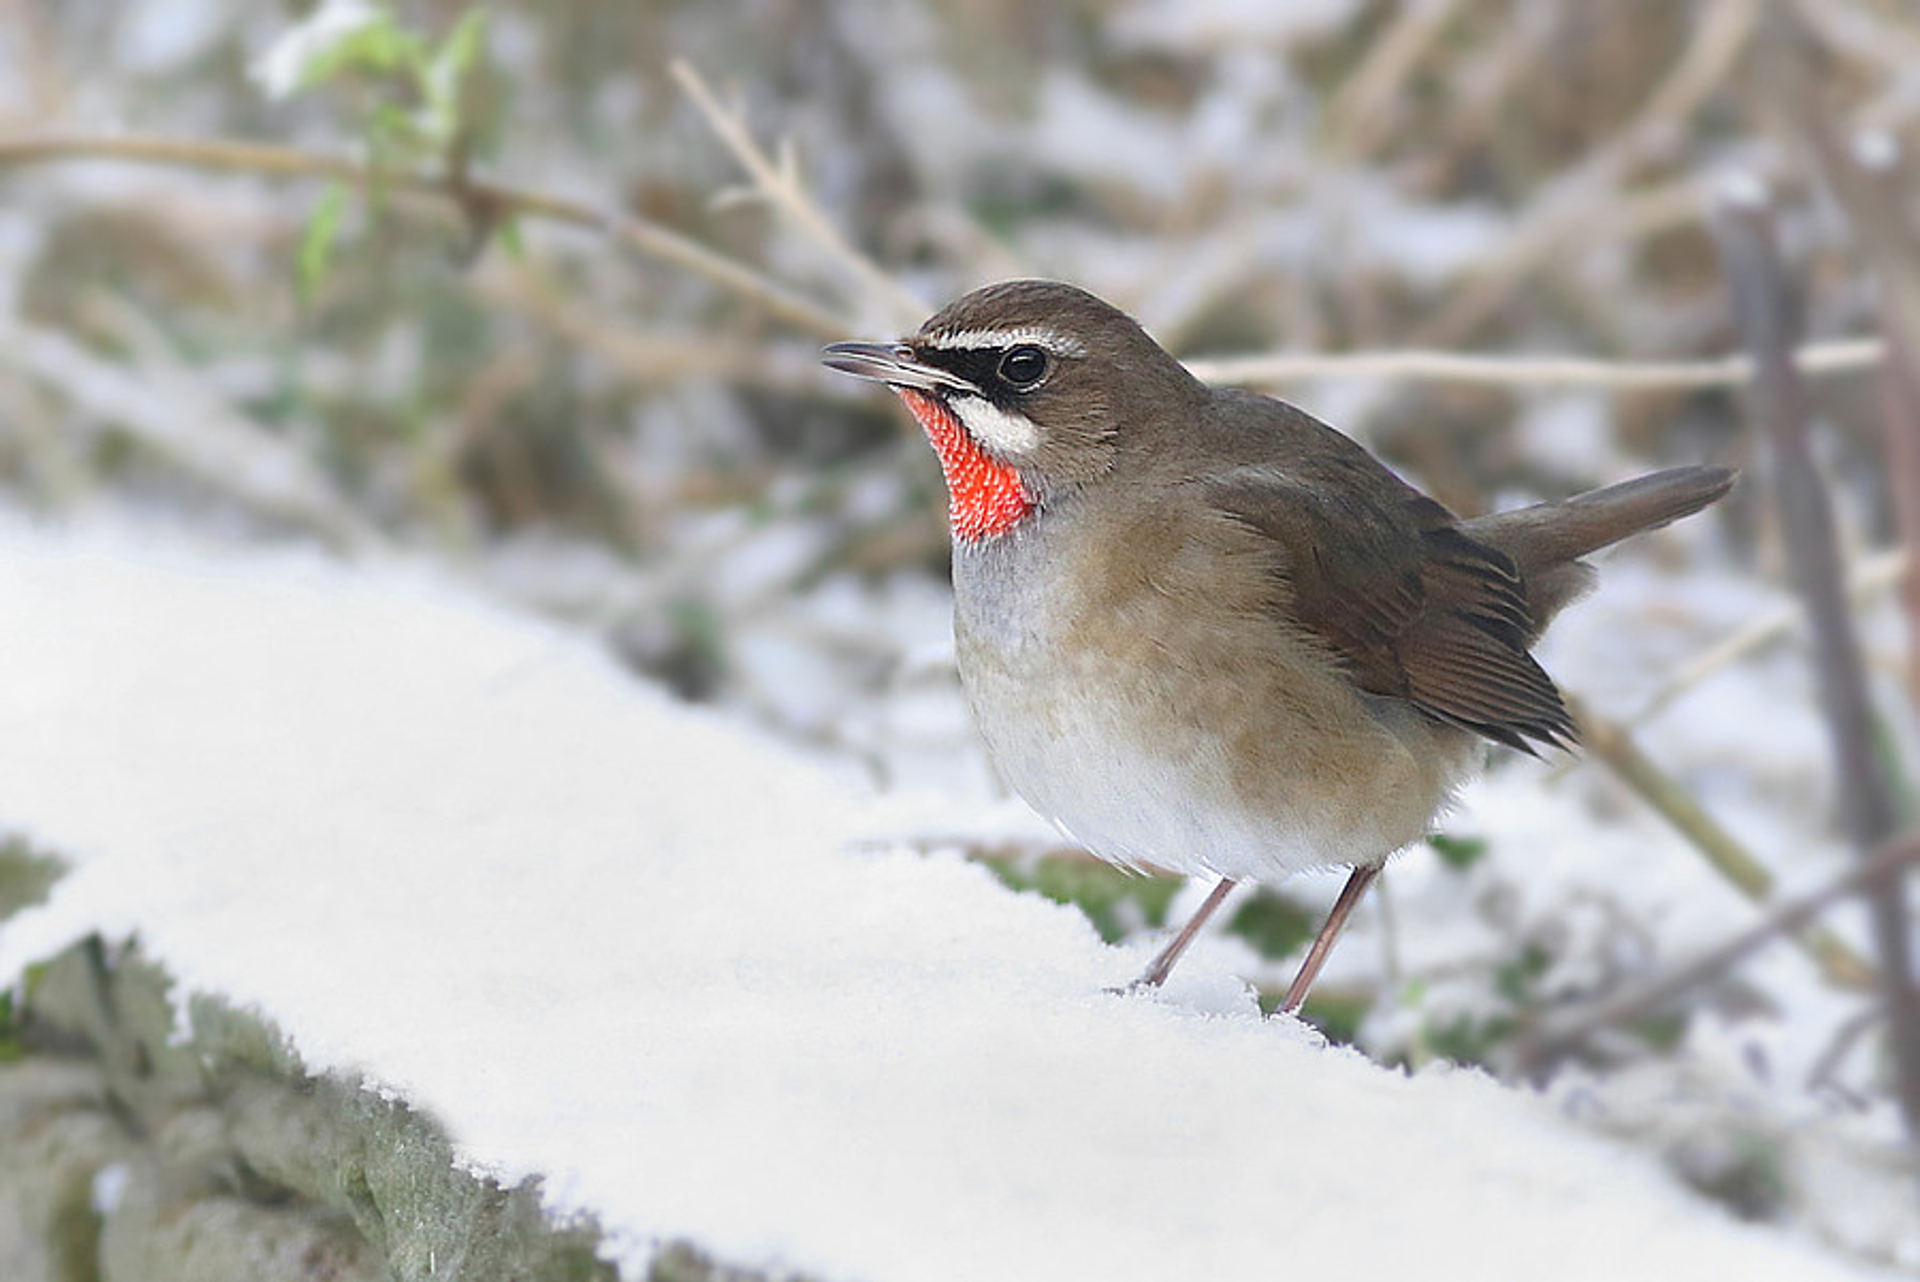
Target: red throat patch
986 497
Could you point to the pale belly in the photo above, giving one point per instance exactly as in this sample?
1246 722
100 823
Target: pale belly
1155 737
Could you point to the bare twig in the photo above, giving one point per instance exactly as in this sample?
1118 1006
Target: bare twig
1873 38
1866 184
644 356
1362 111
1874 196
780 184
1867 181
1872 576
1611 744
1869 810
178 419
1615 219
641 235
1816 359
1787 917
665 245
1718 40
1585 196
1900 401
1484 83
1821 1075
47 90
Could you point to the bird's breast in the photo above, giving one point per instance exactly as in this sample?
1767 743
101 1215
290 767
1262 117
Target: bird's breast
1132 682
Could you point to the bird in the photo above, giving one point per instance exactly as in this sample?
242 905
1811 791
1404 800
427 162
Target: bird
1202 631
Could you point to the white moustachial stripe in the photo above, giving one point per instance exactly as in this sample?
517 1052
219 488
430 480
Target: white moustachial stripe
1006 433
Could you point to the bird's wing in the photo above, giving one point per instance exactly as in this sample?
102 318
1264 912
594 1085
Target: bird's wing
1415 608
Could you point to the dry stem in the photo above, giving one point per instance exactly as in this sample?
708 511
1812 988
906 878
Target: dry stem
670 247
1586 195
1842 357
1869 810
1612 744
1787 917
472 195
1869 578
780 184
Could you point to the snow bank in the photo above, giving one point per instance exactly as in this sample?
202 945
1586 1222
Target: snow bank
632 948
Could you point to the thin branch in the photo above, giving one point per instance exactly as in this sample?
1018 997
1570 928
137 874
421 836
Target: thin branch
780 184
1616 219
48 91
1362 112
1718 40
1614 746
1787 917
1866 182
177 418
1822 1075
1866 37
1585 197
644 356
1872 576
665 245
1875 201
1767 315
472 195
1817 359
1900 411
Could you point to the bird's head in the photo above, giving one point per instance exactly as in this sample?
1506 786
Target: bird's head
1024 389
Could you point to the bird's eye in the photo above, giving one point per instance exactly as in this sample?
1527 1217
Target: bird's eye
1023 367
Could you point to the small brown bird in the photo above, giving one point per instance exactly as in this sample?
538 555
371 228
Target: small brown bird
1203 631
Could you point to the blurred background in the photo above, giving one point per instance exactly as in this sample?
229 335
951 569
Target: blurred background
535 292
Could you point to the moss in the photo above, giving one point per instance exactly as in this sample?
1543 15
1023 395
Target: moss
1274 925
27 875
1457 853
1115 901
229 1159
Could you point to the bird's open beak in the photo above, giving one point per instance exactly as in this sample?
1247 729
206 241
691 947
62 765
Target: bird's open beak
893 364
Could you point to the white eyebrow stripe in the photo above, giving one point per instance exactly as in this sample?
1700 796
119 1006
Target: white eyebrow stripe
993 339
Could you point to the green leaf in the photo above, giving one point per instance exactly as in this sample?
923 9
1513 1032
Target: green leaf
1515 977
444 76
1275 925
1662 1030
377 46
1457 853
1466 1040
316 243
1336 1015
27 875
1886 747
1098 890
395 136
511 239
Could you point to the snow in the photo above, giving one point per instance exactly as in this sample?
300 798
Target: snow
646 953
282 69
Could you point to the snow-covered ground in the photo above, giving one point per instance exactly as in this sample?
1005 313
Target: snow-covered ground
659 959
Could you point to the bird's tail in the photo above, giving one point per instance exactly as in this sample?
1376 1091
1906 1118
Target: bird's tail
1547 540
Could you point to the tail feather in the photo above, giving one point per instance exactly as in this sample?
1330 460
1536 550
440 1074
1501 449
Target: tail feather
1548 534
1547 540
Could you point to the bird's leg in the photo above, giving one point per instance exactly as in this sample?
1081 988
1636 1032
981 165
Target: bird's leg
1354 891
1162 965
